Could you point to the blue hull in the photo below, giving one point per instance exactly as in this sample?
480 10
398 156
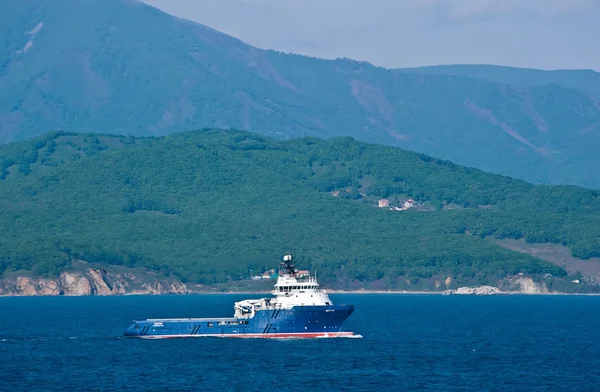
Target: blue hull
299 321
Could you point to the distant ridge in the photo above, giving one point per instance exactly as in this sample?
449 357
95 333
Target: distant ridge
122 67
587 80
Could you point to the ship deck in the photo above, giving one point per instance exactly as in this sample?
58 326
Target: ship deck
191 319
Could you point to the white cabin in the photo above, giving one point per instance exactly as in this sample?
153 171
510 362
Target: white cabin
290 290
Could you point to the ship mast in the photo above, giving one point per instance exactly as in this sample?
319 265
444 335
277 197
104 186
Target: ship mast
288 265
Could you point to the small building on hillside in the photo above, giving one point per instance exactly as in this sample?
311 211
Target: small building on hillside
270 274
382 203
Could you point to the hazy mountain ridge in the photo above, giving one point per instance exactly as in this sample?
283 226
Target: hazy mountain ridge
123 67
585 80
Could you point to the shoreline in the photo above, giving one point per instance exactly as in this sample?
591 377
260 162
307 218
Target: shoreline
391 292
362 292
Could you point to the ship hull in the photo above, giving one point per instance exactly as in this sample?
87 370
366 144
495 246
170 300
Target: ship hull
297 322
315 335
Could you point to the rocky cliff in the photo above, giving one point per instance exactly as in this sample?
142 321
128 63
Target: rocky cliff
93 281
518 285
481 290
526 285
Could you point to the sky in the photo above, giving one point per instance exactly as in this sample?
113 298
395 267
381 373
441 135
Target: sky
544 34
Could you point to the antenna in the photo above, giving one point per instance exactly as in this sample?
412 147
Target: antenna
288 265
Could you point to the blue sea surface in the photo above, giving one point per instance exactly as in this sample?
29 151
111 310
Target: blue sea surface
410 343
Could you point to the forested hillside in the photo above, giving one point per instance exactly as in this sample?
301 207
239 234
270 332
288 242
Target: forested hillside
122 67
213 204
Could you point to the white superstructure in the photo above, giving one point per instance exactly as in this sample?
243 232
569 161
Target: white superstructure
290 290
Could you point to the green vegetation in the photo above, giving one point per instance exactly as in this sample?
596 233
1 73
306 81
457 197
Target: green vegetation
212 205
123 67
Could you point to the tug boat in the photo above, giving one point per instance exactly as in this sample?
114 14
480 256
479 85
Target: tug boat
299 309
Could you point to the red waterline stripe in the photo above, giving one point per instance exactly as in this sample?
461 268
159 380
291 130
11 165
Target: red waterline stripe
258 335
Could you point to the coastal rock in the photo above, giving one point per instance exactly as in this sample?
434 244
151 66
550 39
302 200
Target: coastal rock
104 283
74 283
528 286
448 281
481 290
92 281
174 287
101 287
32 286
512 285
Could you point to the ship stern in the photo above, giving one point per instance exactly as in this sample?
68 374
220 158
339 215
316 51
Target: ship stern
133 330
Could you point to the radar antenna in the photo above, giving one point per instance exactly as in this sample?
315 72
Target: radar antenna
288 265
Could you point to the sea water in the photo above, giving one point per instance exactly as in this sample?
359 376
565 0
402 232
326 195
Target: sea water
410 343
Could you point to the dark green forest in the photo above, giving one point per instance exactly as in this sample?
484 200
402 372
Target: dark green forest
212 205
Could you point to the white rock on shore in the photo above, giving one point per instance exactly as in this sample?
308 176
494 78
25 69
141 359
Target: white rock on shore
516 285
528 286
481 290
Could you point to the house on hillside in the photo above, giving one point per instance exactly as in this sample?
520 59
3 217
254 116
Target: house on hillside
382 203
270 274
409 203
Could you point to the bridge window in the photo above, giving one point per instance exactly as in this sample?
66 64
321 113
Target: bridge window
244 322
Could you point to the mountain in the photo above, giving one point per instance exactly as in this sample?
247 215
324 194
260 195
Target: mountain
212 205
584 80
122 67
